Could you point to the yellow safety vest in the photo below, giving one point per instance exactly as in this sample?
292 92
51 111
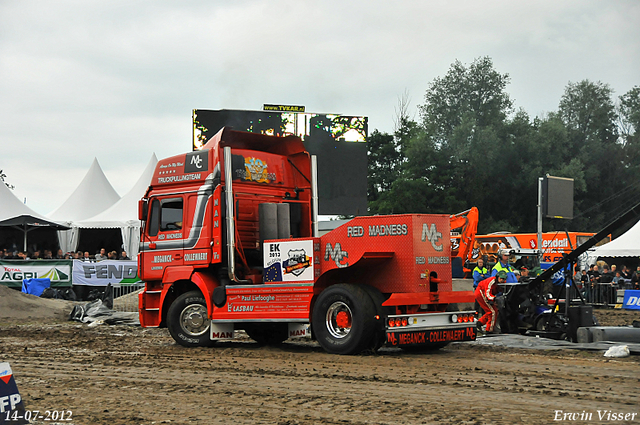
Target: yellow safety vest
498 266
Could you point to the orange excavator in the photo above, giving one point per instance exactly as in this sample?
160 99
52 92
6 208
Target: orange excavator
464 226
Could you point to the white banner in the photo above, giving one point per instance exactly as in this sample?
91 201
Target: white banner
101 273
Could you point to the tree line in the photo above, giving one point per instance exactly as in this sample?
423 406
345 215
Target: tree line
470 146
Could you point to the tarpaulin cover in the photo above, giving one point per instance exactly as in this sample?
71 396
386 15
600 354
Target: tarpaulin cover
529 342
97 311
35 286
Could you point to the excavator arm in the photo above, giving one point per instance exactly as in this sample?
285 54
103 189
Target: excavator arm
465 223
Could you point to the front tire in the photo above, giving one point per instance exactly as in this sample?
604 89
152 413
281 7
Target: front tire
188 321
344 319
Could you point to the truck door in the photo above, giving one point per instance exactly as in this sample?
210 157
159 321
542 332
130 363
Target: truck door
165 235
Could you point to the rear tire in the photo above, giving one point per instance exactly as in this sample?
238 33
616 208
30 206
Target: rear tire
188 321
541 323
343 319
268 333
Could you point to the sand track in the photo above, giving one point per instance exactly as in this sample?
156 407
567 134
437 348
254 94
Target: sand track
129 375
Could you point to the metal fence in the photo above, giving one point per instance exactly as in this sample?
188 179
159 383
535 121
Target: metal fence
125 297
604 294
600 294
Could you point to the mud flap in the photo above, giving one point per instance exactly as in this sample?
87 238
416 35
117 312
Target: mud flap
220 331
299 330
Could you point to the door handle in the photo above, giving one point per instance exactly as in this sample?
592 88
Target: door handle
177 256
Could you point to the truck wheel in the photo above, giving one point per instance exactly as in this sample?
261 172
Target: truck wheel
541 322
188 321
268 333
343 319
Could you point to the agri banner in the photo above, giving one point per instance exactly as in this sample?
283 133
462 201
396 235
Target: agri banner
12 272
631 300
102 273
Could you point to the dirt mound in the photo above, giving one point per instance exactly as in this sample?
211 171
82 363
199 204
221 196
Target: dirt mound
18 307
616 317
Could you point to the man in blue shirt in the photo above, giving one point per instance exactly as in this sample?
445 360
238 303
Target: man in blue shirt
479 273
503 264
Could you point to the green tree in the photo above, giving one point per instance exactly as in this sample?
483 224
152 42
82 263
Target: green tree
629 123
463 152
405 127
470 148
476 91
384 161
387 159
589 115
629 112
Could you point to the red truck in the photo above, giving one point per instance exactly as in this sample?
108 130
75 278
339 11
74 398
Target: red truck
229 242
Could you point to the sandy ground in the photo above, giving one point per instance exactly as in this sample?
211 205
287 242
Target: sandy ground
129 375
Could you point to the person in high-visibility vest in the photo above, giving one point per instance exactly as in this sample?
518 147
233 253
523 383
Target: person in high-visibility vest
479 273
486 295
503 265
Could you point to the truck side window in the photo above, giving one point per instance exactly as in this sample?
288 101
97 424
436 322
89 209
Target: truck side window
154 220
171 217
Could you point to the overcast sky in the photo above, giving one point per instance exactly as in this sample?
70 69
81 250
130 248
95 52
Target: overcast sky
117 79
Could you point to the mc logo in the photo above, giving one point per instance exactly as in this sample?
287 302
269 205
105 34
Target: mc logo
432 235
197 161
336 254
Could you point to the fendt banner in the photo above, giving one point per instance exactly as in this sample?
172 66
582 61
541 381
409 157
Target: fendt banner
12 272
102 273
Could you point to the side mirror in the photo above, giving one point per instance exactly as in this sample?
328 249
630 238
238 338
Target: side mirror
143 209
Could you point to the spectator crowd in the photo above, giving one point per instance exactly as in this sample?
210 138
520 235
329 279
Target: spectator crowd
8 254
600 282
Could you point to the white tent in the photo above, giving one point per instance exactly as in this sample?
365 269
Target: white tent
93 195
15 214
124 213
626 245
